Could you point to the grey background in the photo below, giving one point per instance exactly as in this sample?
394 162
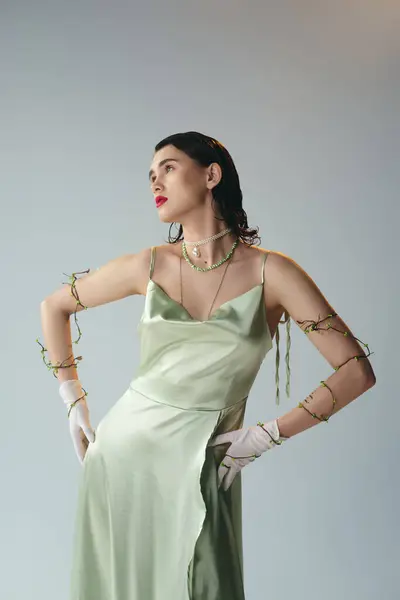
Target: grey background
305 96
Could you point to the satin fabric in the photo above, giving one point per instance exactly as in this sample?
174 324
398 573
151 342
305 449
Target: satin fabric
151 523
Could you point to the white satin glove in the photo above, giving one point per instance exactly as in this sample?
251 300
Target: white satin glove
79 423
247 444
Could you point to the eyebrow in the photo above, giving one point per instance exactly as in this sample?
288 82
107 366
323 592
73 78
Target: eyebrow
161 163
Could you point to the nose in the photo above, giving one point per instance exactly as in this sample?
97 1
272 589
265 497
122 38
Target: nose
156 185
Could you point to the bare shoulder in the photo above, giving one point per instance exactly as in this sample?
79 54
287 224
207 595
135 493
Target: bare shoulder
285 275
288 289
118 278
166 258
275 269
293 289
138 268
299 296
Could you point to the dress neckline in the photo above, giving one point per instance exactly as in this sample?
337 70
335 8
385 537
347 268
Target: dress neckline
215 312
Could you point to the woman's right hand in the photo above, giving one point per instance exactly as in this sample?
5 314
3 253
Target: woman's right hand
79 421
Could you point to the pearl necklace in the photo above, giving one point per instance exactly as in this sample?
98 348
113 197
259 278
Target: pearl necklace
196 252
215 265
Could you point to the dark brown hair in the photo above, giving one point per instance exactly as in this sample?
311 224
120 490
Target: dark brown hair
227 195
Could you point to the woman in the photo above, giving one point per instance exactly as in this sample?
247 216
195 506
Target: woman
159 508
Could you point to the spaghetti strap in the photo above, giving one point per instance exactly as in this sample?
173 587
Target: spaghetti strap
264 258
152 261
286 322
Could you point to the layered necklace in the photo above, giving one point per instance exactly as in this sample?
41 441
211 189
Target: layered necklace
196 252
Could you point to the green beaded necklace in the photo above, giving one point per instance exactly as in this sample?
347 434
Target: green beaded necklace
215 265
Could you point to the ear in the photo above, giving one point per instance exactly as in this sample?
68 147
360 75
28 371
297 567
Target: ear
214 175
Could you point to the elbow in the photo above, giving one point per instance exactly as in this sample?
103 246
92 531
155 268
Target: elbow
51 304
45 303
370 378
366 372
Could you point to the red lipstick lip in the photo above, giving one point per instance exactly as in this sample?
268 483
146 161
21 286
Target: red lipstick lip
160 200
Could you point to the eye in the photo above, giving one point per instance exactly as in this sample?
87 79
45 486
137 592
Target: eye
166 167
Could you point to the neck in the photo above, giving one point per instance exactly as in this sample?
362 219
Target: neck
213 251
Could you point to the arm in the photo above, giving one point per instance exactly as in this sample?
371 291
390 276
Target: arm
293 291
117 279
301 298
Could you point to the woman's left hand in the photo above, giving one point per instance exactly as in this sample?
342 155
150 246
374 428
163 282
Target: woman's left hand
246 445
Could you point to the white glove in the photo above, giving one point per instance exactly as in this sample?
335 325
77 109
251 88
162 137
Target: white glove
247 444
79 424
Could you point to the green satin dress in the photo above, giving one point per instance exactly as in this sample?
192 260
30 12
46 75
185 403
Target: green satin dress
151 523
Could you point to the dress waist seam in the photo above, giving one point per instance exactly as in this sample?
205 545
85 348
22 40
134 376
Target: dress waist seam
193 409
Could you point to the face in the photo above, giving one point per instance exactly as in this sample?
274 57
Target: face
187 185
